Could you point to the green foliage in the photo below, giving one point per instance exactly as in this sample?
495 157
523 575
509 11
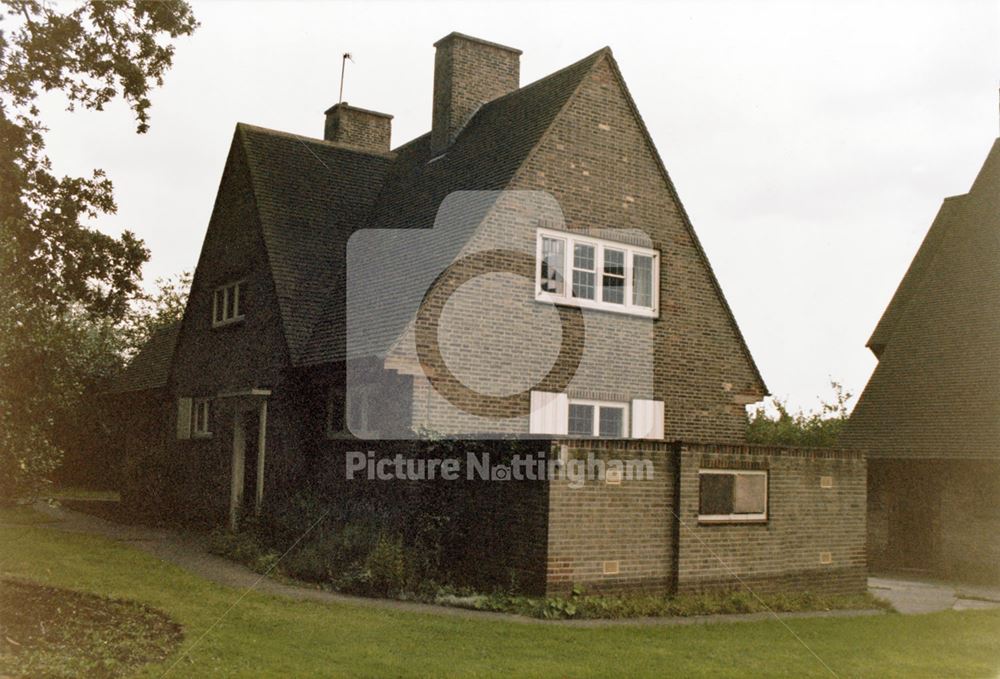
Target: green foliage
579 605
813 429
64 284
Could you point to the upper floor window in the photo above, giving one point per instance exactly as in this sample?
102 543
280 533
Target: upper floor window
227 303
598 274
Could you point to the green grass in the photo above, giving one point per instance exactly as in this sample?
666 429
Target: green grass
267 636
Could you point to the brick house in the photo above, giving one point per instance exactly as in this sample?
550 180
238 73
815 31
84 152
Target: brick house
929 418
525 270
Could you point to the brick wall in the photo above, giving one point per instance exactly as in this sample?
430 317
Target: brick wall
630 523
804 521
651 527
358 127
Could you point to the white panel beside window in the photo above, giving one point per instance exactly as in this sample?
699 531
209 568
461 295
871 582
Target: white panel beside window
202 417
549 413
647 419
184 417
602 274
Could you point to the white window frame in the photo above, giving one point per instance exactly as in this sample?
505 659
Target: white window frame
237 291
735 518
360 396
201 417
599 245
596 431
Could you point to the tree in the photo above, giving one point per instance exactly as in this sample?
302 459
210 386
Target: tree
150 312
63 284
814 429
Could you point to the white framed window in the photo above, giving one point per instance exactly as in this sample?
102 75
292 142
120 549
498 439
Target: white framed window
601 419
201 417
727 495
227 303
596 274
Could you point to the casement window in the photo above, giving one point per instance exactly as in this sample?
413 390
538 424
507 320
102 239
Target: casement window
194 417
201 417
597 418
557 414
726 495
227 303
596 274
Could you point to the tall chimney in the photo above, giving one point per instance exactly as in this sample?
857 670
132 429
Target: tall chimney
358 127
468 72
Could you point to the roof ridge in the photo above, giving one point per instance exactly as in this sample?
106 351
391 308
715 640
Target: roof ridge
247 127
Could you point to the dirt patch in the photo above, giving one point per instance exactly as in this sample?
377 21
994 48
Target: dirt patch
50 632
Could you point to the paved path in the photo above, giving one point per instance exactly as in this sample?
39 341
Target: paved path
928 596
190 552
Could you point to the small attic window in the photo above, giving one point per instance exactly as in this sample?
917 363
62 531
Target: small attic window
227 303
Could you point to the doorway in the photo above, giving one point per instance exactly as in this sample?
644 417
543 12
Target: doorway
247 481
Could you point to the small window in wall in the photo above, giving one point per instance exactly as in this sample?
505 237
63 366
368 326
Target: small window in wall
201 420
227 303
732 495
361 401
598 418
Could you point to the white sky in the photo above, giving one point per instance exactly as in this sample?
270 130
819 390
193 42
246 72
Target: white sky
811 143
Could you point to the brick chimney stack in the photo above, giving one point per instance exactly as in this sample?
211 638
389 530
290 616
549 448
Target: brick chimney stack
468 72
358 127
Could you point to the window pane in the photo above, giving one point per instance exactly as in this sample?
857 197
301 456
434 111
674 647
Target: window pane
613 283
583 257
581 420
218 305
642 281
715 494
553 261
614 262
749 494
230 302
612 422
583 284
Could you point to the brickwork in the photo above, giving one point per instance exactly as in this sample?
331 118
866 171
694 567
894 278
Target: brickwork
359 128
651 528
804 522
468 72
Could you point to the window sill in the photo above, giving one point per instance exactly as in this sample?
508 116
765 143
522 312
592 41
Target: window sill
545 298
201 435
229 322
732 520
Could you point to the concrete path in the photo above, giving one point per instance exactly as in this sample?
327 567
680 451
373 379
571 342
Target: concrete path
190 552
911 596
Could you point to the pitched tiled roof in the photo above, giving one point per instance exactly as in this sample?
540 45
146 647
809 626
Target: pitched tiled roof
308 193
936 389
484 156
150 368
918 267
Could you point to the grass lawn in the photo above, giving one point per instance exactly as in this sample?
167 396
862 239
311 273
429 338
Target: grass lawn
266 636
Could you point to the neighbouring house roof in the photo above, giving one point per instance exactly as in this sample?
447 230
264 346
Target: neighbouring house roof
936 389
150 368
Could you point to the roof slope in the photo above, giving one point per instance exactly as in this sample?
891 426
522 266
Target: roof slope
484 157
309 193
918 267
150 368
936 389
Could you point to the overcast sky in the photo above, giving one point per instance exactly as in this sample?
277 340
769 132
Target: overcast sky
811 143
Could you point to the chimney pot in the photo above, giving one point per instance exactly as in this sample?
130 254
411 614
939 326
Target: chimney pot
363 129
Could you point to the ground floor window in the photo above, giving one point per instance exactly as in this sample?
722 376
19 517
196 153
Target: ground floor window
598 418
732 495
202 417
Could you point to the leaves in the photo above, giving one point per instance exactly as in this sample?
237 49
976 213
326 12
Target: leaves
65 286
814 429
